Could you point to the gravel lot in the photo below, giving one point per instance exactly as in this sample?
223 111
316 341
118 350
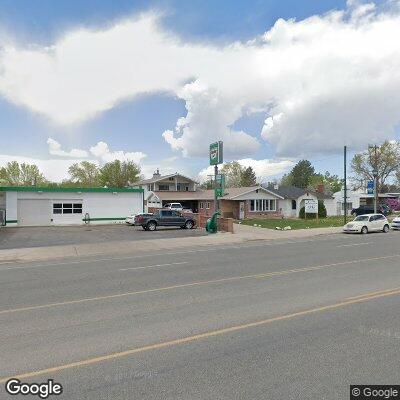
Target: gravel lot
13 238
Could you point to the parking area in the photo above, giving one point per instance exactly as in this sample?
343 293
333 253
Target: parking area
14 238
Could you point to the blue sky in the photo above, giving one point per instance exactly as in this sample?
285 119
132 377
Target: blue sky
135 123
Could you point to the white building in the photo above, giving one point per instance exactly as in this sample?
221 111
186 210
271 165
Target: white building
357 198
34 206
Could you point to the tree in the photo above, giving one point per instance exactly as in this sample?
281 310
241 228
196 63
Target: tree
85 174
119 174
332 183
233 174
248 177
301 174
385 159
14 174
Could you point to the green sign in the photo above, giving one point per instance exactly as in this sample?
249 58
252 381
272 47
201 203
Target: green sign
220 185
216 156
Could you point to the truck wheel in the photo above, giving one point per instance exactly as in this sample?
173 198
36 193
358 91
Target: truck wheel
151 226
189 225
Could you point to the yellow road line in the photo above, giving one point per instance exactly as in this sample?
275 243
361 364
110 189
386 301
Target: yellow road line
200 283
193 338
372 293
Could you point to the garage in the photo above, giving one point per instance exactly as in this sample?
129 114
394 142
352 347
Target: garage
33 212
47 206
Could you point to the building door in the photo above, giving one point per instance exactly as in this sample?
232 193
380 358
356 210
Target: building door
241 210
33 212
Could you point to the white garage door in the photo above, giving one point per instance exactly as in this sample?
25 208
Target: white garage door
33 212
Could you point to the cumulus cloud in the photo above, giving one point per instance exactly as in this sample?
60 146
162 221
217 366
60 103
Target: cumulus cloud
322 82
56 150
103 152
264 169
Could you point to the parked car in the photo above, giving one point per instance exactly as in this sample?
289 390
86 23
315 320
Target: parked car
165 217
130 219
369 209
396 223
174 206
367 223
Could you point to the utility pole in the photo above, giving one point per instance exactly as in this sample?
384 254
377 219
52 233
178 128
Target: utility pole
375 174
345 185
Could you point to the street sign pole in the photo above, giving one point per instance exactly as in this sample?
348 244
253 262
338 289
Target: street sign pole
215 189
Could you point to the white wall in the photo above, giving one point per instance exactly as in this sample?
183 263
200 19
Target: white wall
99 205
352 197
331 207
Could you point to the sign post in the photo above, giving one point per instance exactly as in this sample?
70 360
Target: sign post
216 157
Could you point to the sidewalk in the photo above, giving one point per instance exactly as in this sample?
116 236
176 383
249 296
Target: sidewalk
242 234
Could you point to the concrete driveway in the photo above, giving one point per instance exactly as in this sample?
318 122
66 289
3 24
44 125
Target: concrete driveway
15 238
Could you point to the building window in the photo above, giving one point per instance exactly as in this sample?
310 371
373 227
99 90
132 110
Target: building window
207 205
201 206
67 208
186 188
171 178
163 187
294 204
261 205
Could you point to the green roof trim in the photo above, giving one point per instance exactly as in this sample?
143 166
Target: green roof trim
11 221
71 190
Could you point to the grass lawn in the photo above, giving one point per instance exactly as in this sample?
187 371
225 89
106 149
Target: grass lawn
297 223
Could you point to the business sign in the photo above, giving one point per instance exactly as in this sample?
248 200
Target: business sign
220 185
216 153
370 187
311 206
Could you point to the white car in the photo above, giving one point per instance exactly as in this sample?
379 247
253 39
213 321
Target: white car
396 223
367 223
174 206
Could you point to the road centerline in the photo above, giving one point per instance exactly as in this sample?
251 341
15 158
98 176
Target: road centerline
193 338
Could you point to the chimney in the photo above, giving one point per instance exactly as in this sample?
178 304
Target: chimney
156 174
321 188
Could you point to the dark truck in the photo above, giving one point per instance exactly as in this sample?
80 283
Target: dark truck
150 222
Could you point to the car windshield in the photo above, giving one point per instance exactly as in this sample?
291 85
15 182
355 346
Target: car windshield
362 218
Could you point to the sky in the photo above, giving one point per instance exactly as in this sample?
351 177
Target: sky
156 82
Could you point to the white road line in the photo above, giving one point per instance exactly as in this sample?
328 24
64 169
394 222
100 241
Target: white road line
354 244
153 266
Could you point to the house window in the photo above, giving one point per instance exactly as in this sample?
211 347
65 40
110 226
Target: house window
186 188
171 178
294 204
261 205
207 205
67 208
201 206
163 187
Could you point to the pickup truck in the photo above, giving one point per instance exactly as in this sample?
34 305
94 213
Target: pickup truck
150 222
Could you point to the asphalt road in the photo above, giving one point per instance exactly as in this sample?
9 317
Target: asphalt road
300 319
21 237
